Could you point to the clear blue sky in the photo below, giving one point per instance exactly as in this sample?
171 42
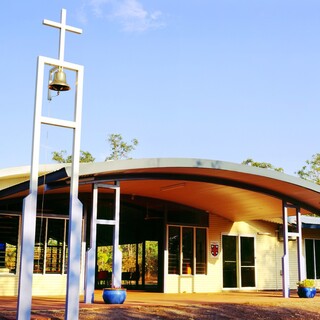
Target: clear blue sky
225 80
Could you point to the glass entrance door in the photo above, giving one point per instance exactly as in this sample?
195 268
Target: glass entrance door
229 247
247 262
238 261
312 248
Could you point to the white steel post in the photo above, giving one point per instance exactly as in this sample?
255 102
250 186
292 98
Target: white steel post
300 257
29 210
75 214
117 254
285 258
91 253
301 260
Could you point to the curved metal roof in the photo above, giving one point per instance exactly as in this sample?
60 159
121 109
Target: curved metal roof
234 191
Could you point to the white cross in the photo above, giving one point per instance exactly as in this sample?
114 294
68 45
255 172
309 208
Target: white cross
63 28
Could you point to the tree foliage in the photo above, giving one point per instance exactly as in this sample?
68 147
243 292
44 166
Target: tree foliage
62 157
264 165
104 258
119 148
129 262
311 171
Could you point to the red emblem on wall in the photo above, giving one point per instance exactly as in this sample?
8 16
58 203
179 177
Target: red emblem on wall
214 249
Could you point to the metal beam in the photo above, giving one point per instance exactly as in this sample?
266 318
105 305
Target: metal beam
285 258
91 253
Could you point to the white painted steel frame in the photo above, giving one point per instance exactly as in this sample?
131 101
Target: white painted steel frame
30 202
285 258
91 253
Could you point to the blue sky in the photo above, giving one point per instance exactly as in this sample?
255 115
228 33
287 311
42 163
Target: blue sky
225 80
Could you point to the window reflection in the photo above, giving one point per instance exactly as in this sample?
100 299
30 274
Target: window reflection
9 228
174 250
189 243
50 252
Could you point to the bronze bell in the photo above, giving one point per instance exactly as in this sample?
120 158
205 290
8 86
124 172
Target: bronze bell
59 82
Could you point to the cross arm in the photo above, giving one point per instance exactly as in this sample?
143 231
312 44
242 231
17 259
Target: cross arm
59 26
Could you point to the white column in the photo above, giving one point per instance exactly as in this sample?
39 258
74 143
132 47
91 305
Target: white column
29 210
285 258
91 253
117 254
301 259
75 211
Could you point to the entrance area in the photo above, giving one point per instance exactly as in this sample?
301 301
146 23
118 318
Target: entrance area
139 266
238 261
313 258
146 226
140 241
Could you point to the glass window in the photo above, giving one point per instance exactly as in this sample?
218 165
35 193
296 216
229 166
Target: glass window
9 228
66 252
201 252
312 248
187 250
54 250
39 245
317 258
50 251
192 250
174 250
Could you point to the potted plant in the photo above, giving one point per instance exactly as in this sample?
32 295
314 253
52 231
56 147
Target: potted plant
306 288
114 295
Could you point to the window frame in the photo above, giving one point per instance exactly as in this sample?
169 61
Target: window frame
315 258
182 269
12 247
62 270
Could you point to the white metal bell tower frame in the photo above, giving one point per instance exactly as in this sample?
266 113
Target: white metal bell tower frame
30 202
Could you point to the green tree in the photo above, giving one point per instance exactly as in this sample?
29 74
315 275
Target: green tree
104 258
264 165
119 148
62 157
151 267
311 171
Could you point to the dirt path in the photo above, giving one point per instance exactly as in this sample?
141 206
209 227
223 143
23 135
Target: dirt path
216 311
247 306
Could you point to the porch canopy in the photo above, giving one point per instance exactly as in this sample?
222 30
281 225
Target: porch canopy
236 192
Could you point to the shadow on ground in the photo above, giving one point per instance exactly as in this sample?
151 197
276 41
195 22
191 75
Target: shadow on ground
218 311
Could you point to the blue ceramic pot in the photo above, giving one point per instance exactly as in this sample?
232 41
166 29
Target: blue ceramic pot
114 296
306 292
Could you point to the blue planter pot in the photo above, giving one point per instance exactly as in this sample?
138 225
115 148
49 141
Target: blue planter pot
114 296
304 292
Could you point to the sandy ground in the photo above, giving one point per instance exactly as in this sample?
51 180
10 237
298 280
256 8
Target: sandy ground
252 306
218 312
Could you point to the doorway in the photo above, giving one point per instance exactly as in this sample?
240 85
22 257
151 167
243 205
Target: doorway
238 261
312 247
140 265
